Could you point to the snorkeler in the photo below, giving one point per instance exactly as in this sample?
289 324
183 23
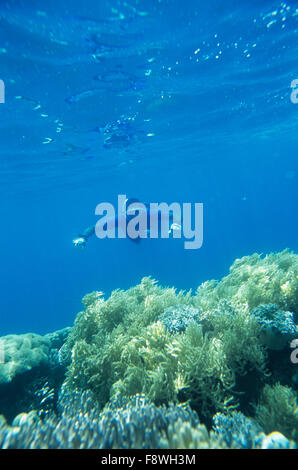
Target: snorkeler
151 221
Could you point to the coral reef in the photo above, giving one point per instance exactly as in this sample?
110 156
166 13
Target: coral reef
130 424
31 373
121 425
278 327
121 346
151 367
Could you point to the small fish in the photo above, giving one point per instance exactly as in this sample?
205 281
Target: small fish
83 94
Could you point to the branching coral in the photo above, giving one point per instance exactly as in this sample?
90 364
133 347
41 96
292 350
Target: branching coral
152 368
277 410
236 430
205 377
121 425
278 327
175 319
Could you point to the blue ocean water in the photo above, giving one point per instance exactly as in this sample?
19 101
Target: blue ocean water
161 100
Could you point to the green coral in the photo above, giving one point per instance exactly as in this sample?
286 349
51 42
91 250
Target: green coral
255 280
277 410
239 334
204 376
120 346
218 363
210 364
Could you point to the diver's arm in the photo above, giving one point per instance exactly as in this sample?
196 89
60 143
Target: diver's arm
81 240
88 232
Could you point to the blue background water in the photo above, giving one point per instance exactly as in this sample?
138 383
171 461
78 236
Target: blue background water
160 100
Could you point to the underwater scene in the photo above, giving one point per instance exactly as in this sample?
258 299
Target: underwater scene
149 249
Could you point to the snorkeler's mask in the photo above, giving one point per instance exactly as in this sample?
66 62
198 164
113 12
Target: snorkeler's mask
79 242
